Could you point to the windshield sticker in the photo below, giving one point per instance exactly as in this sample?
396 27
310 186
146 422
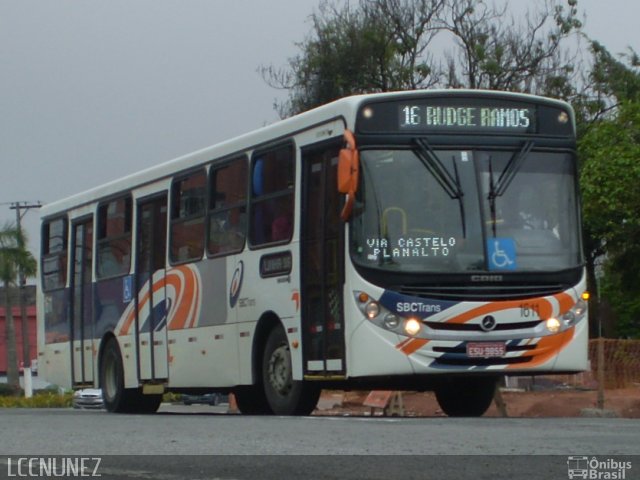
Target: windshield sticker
502 254
409 247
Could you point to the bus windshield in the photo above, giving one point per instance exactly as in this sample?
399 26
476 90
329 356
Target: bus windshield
425 210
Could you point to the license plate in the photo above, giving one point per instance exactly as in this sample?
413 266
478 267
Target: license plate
486 349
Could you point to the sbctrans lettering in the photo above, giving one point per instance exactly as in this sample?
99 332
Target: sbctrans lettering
417 307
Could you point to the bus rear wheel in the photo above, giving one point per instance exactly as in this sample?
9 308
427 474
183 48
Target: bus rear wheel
466 397
116 398
112 377
285 395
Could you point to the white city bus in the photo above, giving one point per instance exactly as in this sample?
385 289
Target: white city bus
424 240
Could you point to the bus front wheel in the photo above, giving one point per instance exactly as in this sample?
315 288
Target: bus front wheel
285 395
466 397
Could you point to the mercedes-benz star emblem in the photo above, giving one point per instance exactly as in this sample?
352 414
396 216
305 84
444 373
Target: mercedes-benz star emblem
488 323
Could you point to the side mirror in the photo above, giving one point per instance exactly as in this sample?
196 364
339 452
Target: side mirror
348 173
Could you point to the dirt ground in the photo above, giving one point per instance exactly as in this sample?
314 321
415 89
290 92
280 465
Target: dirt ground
625 403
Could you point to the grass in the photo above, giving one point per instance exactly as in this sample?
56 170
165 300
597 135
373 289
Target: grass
41 399
50 398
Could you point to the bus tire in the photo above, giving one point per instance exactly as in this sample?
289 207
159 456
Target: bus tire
285 395
115 397
466 397
112 378
251 400
141 403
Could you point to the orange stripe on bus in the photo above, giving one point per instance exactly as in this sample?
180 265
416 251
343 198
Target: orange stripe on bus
413 345
403 343
565 301
185 293
543 306
546 348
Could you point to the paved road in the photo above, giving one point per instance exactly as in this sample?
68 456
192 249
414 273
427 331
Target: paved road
240 447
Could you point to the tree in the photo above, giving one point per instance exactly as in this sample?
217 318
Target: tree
386 45
498 52
374 47
13 256
609 148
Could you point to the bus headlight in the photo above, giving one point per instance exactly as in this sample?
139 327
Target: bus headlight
372 310
391 321
412 327
575 314
382 317
553 325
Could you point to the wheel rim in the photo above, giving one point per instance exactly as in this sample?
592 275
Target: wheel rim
279 370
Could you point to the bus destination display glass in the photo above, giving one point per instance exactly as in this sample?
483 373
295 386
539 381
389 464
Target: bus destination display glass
465 118
461 115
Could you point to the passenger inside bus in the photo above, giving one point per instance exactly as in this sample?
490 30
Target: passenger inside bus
282 226
531 214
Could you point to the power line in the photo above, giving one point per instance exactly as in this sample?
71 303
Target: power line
18 206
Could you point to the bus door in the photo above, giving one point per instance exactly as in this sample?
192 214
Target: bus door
82 302
151 307
322 263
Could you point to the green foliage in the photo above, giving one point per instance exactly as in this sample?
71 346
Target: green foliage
44 399
624 301
171 397
610 175
13 254
609 179
499 52
373 47
9 390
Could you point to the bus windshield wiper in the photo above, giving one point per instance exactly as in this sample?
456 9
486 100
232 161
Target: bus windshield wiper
510 170
430 160
447 181
497 189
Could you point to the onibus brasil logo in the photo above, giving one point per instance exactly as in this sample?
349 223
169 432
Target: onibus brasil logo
595 468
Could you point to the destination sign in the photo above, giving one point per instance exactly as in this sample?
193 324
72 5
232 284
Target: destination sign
456 114
465 117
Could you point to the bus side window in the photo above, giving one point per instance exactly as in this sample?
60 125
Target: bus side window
54 254
272 196
227 207
53 268
114 238
188 208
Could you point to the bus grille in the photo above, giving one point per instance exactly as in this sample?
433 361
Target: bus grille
479 292
482 362
472 327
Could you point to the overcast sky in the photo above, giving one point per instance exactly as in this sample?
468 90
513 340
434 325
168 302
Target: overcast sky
94 90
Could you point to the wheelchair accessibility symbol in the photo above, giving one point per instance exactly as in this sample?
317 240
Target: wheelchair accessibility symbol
502 254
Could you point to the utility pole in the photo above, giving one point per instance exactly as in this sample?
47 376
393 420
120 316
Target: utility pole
19 207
